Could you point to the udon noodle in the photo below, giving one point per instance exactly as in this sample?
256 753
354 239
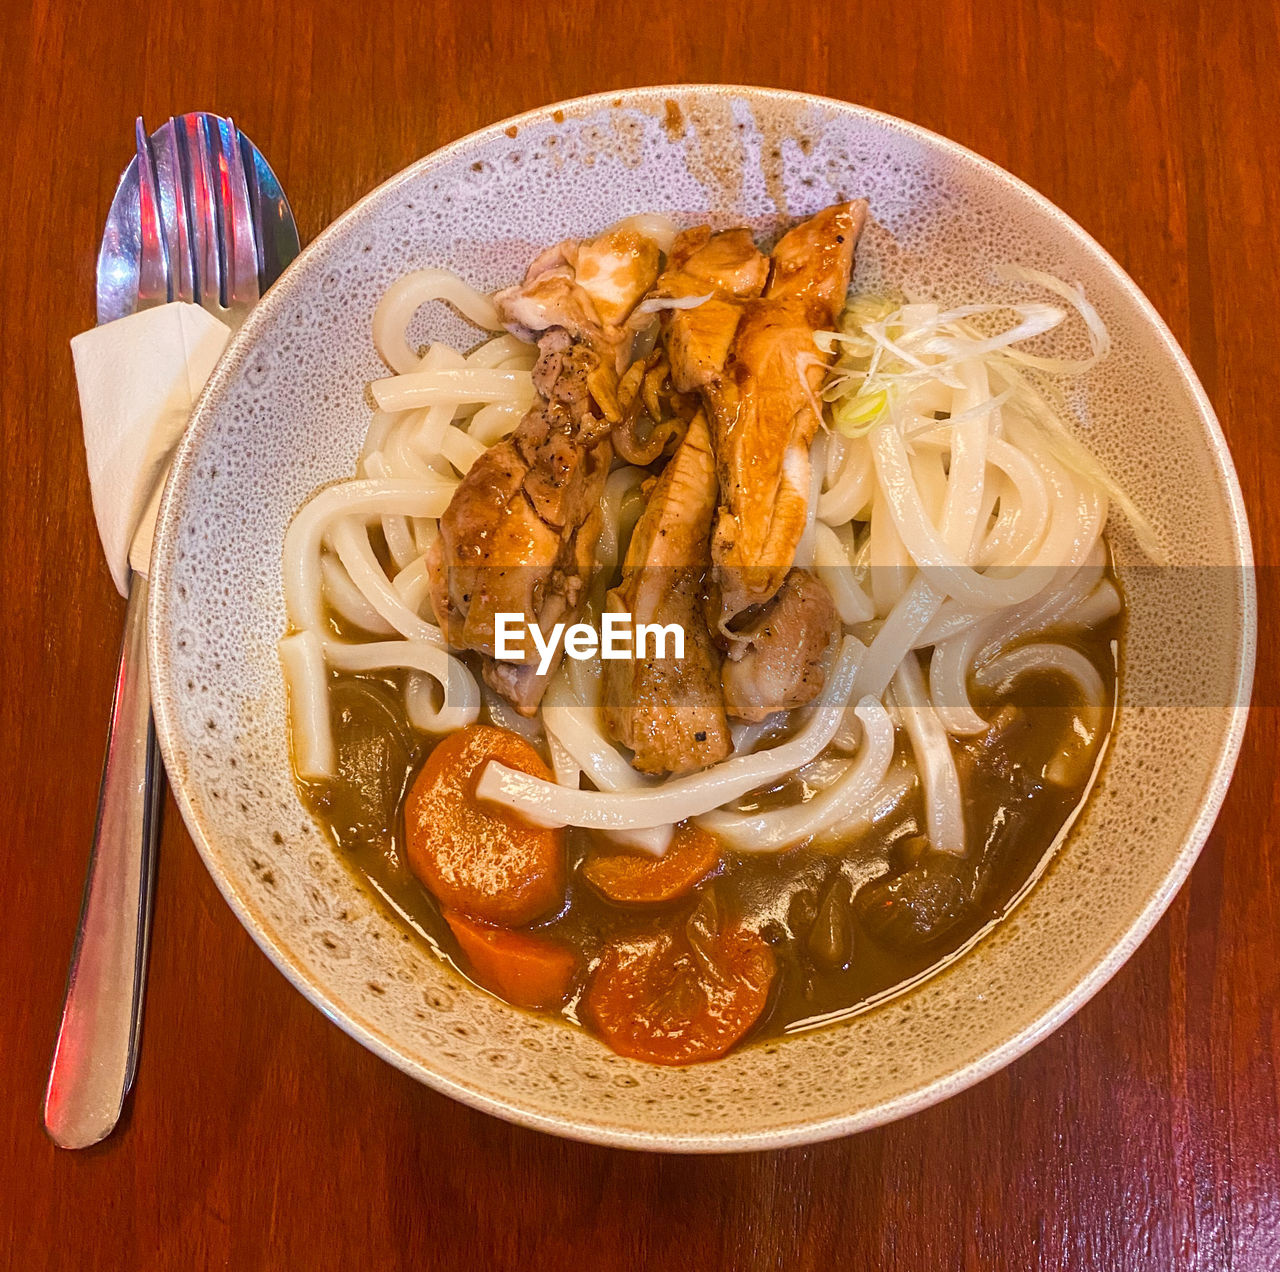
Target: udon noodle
954 520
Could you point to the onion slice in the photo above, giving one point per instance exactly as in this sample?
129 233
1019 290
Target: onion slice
656 304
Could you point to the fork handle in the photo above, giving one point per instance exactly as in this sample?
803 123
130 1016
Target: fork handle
96 1054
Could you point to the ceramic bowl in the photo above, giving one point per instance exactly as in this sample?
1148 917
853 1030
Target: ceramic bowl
286 410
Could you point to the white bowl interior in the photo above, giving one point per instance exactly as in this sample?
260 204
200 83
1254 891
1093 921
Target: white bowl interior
286 411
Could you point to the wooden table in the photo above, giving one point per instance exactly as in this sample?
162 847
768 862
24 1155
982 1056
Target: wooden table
1144 1134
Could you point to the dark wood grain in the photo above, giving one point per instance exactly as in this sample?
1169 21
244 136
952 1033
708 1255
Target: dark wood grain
1143 1134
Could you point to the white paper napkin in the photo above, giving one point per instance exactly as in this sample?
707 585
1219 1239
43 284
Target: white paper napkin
138 379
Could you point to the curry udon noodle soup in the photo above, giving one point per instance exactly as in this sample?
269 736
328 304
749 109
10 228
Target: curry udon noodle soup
847 563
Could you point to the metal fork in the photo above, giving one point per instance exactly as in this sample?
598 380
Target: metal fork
198 216
203 237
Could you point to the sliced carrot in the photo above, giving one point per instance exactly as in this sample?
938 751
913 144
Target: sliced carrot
635 878
526 970
476 858
665 1000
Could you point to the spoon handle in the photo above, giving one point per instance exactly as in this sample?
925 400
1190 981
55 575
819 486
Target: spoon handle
96 1053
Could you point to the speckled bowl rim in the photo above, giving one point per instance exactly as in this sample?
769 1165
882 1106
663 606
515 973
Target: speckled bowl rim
959 1078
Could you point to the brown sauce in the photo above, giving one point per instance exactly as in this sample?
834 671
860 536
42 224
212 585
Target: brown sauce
850 923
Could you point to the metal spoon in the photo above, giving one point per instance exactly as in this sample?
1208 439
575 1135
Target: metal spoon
198 216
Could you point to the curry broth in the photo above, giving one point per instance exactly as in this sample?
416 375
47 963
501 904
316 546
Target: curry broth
849 922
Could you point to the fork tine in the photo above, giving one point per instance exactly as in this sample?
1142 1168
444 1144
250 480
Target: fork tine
253 183
202 211
153 266
238 240
174 205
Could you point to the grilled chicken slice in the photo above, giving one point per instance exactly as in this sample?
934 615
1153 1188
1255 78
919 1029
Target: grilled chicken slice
657 393
727 268
588 288
670 711
520 533
778 659
765 412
